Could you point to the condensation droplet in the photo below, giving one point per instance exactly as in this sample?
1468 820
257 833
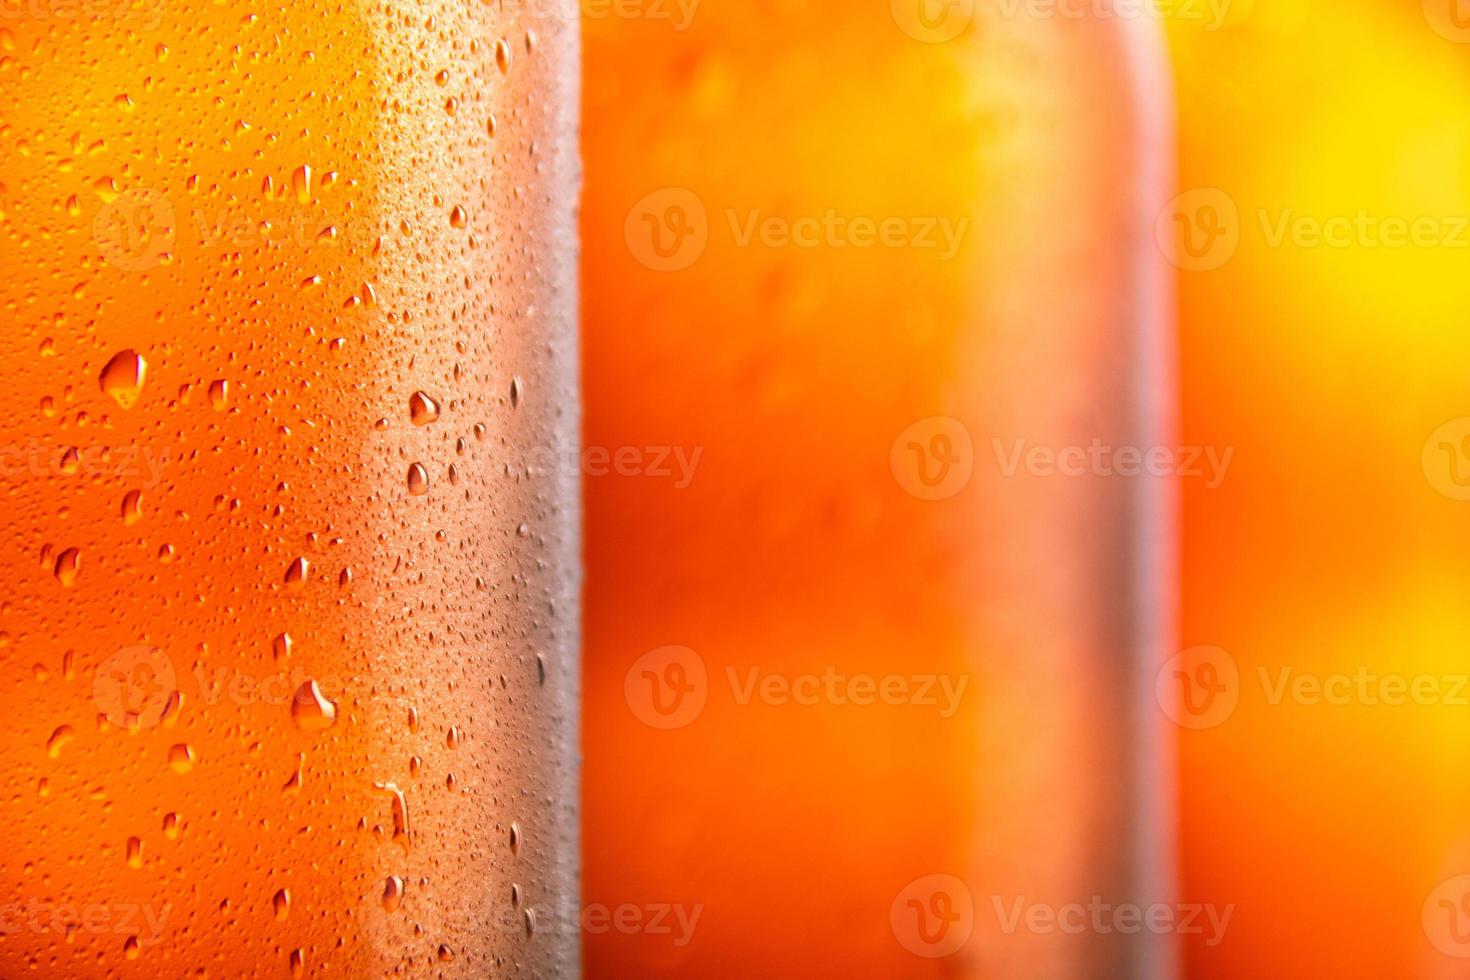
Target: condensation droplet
301 183
68 566
135 852
281 903
297 573
392 893
58 740
123 377
402 832
219 394
418 480
458 217
422 409
293 785
181 758
311 710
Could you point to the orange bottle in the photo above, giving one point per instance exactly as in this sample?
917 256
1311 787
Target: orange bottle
867 670
291 610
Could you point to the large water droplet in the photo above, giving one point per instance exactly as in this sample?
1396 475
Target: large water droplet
123 376
181 758
392 893
296 573
311 710
301 183
422 409
418 480
68 567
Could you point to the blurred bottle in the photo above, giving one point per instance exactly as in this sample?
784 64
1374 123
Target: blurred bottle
291 612
874 619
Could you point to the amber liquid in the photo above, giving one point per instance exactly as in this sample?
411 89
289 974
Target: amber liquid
291 608
772 293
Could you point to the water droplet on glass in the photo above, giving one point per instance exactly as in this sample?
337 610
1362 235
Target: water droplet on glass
392 893
123 376
296 573
418 480
58 740
301 183
311 710
181 758
422 409
68 566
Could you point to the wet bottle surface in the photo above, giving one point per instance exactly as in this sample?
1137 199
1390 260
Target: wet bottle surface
864 674
291 612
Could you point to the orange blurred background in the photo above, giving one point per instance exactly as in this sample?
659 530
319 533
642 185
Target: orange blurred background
1329 550
1317 345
